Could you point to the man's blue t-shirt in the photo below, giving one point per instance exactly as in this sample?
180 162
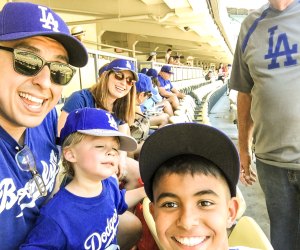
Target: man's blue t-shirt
19 207
72 222
165 83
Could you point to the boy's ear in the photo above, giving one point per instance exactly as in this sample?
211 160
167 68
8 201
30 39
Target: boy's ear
69 154
151 209
233 207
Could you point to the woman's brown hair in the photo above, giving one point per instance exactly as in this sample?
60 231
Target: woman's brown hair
123 108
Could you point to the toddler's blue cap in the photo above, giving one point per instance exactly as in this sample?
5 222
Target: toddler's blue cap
122 64
19 20
152 72
144 84
166 69
95 122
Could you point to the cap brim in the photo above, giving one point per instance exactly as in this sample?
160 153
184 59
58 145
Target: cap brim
121 69
127 143
77 53
188 138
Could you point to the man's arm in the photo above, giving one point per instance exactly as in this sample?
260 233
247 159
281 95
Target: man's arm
245 129
163 92
179 94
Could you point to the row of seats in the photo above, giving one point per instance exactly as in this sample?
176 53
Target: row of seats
193 108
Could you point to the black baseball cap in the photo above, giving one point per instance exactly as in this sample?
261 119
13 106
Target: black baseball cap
189 138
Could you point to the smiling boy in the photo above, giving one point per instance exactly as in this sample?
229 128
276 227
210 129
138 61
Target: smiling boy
191 180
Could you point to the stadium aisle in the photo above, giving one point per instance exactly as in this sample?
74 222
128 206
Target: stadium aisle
222 118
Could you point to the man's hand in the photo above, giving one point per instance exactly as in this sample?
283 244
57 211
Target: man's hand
247 174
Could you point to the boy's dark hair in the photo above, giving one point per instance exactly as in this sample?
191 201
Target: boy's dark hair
189 139
188 164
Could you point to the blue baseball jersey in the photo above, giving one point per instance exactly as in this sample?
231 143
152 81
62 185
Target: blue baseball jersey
267 66
83 99
165 83
72 222
19 198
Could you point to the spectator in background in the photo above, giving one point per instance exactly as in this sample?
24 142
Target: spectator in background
266 75
144 70
152 57
171 60
221 73
30 35
177 60
166 88
209 75
144 92
167 55
78 32
140 131
156 101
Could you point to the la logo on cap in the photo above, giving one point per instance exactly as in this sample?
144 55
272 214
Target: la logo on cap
112 121
128 65
48 19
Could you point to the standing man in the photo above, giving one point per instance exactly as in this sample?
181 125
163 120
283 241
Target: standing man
36 51
266 72
166 88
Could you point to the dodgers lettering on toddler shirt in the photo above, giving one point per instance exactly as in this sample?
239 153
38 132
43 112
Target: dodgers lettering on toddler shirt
72 222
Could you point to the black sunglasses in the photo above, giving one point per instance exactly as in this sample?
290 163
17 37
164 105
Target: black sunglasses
120 76
148 94
26 162
30 64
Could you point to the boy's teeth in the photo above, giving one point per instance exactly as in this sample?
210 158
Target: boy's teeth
190 241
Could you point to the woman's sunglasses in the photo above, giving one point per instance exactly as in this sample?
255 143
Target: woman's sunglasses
29 64
26 162
120 76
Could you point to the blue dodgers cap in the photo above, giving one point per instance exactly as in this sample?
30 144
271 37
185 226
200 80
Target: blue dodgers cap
19 20
122 64
166 69
95 122
152 72
189 138
144 70
144 84
102 69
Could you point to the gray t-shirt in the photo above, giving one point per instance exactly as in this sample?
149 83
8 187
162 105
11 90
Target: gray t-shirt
266 64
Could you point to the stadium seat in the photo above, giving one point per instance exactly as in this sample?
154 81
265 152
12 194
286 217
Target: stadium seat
150 221
249 234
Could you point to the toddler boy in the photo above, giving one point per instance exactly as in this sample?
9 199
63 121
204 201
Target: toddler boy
84 213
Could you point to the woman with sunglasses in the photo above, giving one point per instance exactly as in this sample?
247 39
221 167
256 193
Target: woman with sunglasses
114 92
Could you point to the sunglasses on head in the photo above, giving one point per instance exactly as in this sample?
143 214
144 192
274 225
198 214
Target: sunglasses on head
30 64
119 75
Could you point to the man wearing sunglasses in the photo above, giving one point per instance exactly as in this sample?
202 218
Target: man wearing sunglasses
36 51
